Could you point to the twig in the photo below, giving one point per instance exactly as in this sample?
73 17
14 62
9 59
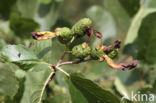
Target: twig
74 62
44 86
62 57
114 46
60 69
65 52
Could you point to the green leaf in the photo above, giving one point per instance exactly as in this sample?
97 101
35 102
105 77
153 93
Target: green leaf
121 17
2 43
92 92
19 94
61 23
12 53
8 82
45 1
20 74
154 86
22 27
28 8
103 70
36 81
147 7
76 95
27 64
146 40
129 77
60 76
57 50
48 20
59 98
120 87
5 8
131 6
126 101
43 49
103 21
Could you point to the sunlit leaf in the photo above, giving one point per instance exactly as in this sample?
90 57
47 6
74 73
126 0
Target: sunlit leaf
120 87
43 49
147 7
36 81
126 101
17 52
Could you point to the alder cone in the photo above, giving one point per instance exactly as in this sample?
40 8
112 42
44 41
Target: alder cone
64 35
113 53
96 53
81 51
79 28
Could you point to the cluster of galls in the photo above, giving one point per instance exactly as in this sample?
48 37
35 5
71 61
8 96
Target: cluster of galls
82 51
102 53
65 34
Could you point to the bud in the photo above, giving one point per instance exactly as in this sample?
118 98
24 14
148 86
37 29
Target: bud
80 27
81 51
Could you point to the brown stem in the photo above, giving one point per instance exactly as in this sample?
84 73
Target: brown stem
90 33
99 35
52 76
62 57
65 52
114 46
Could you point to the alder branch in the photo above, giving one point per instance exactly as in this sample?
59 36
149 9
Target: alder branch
65 52
74 62
62 57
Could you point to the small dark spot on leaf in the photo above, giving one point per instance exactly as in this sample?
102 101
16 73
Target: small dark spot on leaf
19 55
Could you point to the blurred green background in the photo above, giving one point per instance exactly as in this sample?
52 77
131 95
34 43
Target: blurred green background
132 21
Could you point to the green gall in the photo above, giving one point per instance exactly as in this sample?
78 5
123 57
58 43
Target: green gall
97 53
64 35
81 51
113 53
79 28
